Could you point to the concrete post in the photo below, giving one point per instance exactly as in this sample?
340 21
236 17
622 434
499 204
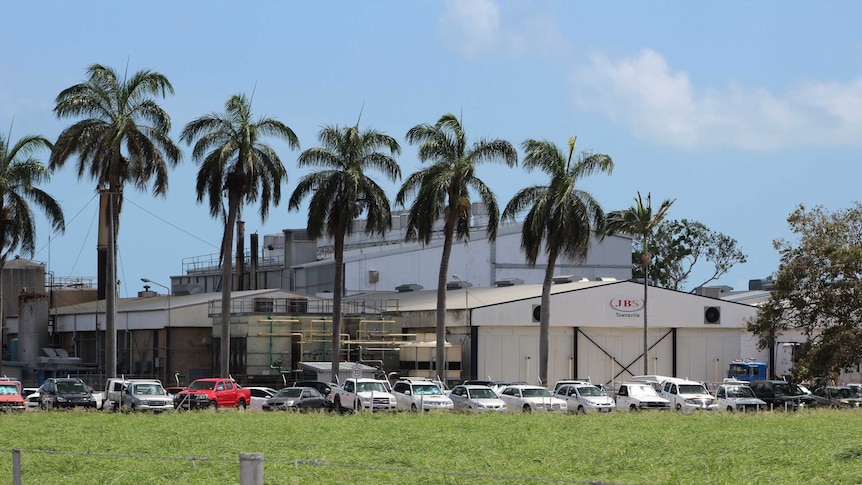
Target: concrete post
251 468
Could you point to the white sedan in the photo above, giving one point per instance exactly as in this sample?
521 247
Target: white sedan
259 396
475 398
582 398
528 398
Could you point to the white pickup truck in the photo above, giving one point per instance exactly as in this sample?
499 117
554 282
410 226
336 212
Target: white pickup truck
363 395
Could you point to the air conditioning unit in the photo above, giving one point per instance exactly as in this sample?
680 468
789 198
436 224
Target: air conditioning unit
712 315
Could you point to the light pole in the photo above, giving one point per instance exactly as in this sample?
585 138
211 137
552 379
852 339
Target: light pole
466 296
167 330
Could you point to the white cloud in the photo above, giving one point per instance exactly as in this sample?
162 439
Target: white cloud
662 105
476 28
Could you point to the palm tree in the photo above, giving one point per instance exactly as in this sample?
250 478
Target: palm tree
19 174
443 188
342 191
640 221
123 138
236 165
559 215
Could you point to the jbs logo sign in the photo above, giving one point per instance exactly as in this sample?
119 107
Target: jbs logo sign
627 304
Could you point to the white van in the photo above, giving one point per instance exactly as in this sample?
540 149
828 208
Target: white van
687 395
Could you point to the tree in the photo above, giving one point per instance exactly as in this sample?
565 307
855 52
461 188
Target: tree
678 246
443 188
235 164
122 139
818 292
640 221
341 192
559 215
20 172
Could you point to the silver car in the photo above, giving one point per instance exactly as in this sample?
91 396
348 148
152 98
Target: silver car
147 396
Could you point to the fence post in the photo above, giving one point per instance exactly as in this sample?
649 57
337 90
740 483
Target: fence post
251 468
16 466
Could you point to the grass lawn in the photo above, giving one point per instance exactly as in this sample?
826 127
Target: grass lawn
89 447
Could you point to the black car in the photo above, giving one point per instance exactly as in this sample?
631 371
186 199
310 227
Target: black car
295 399
324 388
783 395
65 392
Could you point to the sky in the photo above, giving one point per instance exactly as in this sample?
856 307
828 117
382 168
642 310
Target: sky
739 111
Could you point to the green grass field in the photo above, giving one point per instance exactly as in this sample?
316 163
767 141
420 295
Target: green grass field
632 448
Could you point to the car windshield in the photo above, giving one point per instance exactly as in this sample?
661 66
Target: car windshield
370 387
8 390
590 391
202 385
71 388
740 391
537 392
289 392
148 389
692 389
482 394
426 389
641 391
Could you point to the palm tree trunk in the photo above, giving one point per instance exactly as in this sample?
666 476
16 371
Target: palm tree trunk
337 296
226 282
440 321
545 318
111 282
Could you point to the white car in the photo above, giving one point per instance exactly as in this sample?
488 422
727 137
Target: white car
687 395
416 394
525 397
259 395
734 397
582 398
476 398
637 396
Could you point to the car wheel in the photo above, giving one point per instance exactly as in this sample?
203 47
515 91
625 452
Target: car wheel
213 405
679 407
338 406
241 405
413 408
632 407
581 410
730 409
527 408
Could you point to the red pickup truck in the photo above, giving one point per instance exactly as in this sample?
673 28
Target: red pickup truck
213 393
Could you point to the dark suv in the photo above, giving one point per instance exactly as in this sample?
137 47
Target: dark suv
67 392
778 395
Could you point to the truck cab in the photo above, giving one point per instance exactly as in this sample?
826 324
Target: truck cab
746 370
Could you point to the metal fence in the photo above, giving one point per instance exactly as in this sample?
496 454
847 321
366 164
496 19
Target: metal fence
251 467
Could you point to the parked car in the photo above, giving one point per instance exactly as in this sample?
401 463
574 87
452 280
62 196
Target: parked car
259 395
687 395
415 394
637 396
559 384
583 397
476 398
324 388
528 398
738 397
65 392
295 399
11 398
142 395
779 394
839 396
32 401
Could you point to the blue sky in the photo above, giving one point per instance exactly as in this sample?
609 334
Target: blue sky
738 110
